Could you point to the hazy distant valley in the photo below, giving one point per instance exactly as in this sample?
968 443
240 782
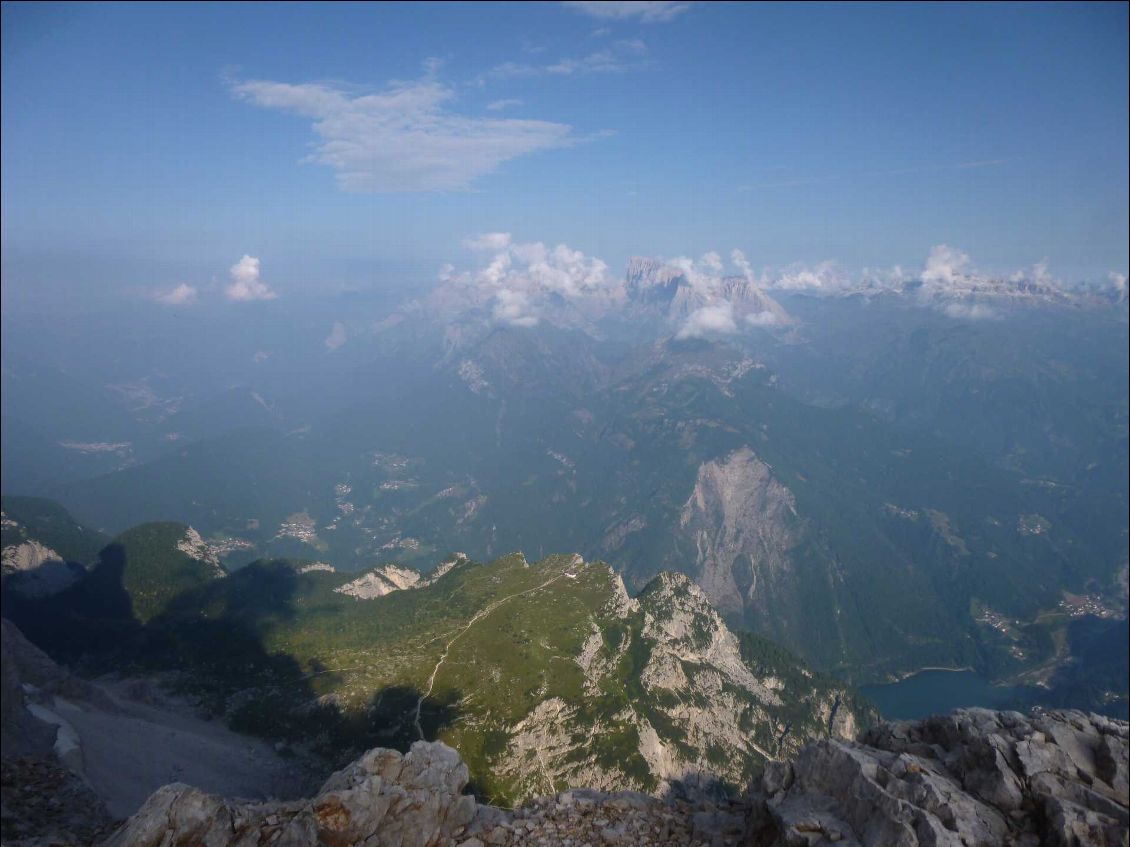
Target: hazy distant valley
871 479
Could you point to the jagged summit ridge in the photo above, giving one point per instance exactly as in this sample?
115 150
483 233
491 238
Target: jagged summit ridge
665 681
675 291
679 619
975 778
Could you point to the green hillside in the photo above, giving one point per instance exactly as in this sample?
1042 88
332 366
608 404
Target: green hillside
542 675
51 525
156 563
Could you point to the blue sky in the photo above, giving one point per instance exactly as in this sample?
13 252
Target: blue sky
360 145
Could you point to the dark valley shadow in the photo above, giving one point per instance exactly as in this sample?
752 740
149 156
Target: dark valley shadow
209 643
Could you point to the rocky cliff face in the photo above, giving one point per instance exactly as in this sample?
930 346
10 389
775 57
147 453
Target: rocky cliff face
654 287
748 300
974 777
386 579
688 708
971 779
650 281
45 799
30 567
741 523
383 798
34 570
379 582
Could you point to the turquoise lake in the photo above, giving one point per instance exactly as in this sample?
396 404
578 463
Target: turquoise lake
932 692
1097 678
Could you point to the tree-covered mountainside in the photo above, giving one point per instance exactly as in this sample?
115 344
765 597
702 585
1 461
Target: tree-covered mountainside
155 564
543 674
44 548
45 521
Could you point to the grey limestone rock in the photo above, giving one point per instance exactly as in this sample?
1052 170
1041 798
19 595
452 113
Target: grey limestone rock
973 777
383 799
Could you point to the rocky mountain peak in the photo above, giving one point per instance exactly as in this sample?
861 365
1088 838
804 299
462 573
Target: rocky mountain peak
742 523
672 594
645 270
687 631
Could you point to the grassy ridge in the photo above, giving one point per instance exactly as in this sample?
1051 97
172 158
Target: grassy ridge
467 659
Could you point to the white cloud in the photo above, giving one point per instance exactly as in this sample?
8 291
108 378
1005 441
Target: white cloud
1038 274
619 57
717 319
183 295
1042 275
713 304
765 318
514 308
622 56
488 241
449 273
945 266
737 257
824 276
703 275
404 138
893 278
712 262
245 282
950 273
647 11
337 337
518 281
970 311
507 103
260 357
1118 283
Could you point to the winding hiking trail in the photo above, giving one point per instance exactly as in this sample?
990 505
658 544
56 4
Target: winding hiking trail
477 617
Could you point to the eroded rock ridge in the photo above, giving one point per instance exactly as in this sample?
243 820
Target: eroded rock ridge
973 778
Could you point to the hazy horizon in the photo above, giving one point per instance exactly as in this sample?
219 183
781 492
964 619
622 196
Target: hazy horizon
365 154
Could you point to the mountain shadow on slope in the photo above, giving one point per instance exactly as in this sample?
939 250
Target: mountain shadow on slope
208 643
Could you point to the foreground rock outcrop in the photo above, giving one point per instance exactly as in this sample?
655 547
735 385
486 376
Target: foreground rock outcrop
417 800
975 778
383 798
46 804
